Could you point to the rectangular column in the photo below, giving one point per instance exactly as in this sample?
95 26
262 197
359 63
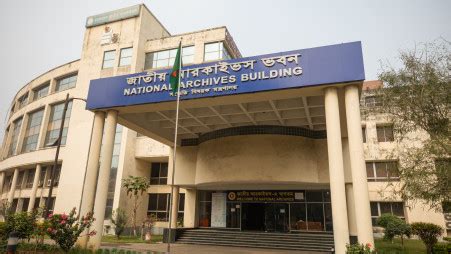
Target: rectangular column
34 189
336 170
104 175
359 177
13 186
190 213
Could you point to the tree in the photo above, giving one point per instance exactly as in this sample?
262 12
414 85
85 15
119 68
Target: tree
135 187
119 220
417 99
428 233
394 226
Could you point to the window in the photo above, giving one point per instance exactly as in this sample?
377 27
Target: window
42 177
56 176
126 57
382 171
22 101
385 133
108 59
41 91
15 137
364 134
66 83
32 132
7 183
379 208
20 180
53 128
159 173
215 51
30 178
373 101
14 205
158 206
166 58
181 211
25 203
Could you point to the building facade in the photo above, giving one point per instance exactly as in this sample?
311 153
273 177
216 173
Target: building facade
291 160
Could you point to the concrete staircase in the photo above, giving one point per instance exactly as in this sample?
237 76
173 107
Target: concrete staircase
308 241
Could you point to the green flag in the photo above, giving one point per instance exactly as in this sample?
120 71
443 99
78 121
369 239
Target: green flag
175 74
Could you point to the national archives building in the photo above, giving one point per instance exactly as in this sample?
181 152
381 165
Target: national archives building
278 146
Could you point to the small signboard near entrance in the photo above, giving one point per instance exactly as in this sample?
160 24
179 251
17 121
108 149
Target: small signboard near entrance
265 196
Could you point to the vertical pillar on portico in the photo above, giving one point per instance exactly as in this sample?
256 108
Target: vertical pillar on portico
336 170
104 175
351 212
359 177
34 189
92 169
189 215
175 206
13 186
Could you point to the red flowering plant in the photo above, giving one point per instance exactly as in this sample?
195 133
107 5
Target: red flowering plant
65 229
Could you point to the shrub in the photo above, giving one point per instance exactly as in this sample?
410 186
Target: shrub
442 248
358 248
119 220
428 233
65 229
23 223
394 226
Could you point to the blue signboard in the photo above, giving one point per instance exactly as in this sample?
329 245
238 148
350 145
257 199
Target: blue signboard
293 69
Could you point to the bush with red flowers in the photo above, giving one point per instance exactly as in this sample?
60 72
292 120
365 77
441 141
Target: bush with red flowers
65 229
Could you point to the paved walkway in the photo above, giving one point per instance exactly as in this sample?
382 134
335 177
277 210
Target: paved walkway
160 248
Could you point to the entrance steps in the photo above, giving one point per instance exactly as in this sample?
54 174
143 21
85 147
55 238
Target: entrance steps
305 241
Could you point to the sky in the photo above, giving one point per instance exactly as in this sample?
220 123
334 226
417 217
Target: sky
36 36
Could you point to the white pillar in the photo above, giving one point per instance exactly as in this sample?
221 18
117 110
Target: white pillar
175 206
34 189
92 169
13 186
189 215
351 210
359 177
103 178
336 170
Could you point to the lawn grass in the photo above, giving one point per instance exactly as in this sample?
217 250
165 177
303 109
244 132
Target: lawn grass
410 246
130 239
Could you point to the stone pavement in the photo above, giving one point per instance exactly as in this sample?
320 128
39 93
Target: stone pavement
160 248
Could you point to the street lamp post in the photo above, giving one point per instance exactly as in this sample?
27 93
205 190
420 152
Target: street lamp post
55 164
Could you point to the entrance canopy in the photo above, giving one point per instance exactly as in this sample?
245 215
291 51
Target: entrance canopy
284 89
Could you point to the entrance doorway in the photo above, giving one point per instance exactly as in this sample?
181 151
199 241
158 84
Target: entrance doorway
269 217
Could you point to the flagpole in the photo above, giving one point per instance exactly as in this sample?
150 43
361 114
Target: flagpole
174 155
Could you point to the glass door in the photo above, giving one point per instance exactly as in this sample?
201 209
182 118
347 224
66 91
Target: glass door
276 217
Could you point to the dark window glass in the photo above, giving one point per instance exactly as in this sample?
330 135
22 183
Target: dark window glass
326 195
385 133
298 216
374 209
153 198
314 196
398 209
315 217
159 173
369 170
25 203
381 170
328 217
181 202
162 202
385 207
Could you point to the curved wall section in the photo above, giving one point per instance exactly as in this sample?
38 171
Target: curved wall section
261 159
